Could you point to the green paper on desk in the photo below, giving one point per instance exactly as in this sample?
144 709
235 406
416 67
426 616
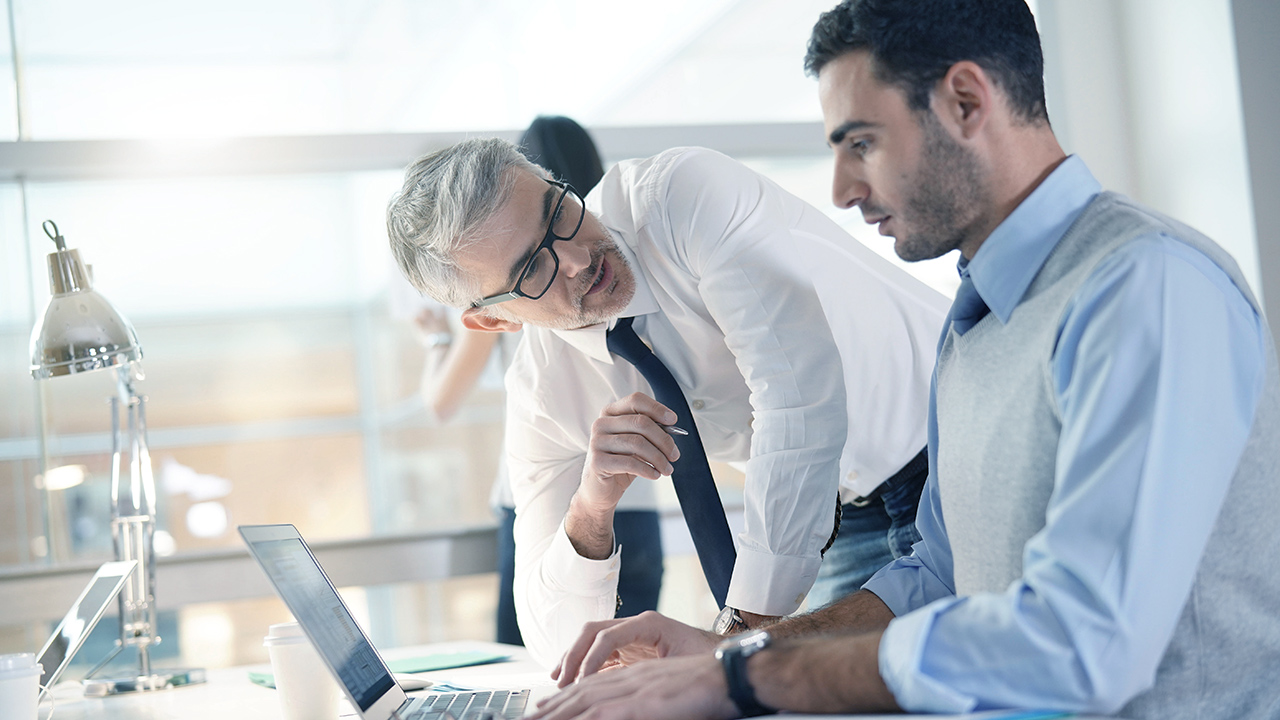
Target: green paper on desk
435 661
444 661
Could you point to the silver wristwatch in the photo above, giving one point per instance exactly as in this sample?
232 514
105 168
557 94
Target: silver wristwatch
729 622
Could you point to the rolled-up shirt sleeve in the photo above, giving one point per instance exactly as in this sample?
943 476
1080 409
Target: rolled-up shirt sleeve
735 232
1158 370
556 590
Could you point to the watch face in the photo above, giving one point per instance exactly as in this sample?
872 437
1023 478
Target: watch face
727 622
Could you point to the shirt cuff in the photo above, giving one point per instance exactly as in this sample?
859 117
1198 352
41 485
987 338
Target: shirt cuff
900 657
578 575
896 595
767 584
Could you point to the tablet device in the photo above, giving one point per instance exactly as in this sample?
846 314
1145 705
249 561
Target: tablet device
81 619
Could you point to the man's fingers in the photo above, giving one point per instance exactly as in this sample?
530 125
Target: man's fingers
610 641
567 671
681 689
607 449
633 432
578 699
606 465
647 635
641 404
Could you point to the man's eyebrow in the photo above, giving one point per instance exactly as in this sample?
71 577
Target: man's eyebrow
521 261
837 135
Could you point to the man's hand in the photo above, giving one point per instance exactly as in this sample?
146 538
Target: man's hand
627 441
626 641
684 688
824 674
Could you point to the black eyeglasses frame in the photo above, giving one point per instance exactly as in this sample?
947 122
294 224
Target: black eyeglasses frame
547 241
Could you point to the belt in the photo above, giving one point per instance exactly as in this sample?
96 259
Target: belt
917 465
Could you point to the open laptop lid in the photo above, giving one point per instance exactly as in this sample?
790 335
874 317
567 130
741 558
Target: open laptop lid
80 620
319 610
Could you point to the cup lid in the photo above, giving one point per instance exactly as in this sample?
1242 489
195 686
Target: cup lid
289 629
289 633
19 665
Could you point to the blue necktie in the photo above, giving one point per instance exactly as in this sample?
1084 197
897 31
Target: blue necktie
968 307
699 501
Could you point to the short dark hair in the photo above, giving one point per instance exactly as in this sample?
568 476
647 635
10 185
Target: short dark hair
914 42
564 147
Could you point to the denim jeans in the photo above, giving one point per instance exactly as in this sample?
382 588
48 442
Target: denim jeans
871 536
639 580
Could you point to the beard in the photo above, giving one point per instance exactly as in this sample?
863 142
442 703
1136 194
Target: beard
950 192
618 300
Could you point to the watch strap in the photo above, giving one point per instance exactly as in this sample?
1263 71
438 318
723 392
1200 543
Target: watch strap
740 690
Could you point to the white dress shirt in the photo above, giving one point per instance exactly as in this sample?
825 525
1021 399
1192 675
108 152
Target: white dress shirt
771 318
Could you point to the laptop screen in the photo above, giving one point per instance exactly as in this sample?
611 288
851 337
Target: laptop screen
317 607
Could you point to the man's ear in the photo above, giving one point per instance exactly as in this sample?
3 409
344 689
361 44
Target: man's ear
965 98
478 319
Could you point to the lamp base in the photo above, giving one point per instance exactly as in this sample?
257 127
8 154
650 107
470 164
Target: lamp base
163 680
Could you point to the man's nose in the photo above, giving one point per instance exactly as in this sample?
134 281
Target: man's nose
848 188
575 256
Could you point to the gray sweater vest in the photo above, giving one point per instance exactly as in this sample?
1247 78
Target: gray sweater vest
998 430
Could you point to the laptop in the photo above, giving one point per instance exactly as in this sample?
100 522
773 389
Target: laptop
85 612
305 589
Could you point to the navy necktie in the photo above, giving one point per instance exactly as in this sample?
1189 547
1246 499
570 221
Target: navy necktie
699 501
968 307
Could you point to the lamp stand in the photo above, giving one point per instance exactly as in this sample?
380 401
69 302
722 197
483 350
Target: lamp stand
133 525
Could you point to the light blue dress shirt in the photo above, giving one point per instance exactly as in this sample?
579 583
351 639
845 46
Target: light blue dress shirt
1158 370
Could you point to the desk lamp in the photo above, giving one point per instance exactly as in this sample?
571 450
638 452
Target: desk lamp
81 332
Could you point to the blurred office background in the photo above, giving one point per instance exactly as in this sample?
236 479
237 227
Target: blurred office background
224 168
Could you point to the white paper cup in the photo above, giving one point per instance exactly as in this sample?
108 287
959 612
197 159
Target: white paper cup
307 691
19 686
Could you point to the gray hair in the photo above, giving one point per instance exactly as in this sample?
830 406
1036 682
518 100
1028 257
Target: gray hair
446 196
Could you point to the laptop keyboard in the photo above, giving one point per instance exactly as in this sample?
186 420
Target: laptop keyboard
480 705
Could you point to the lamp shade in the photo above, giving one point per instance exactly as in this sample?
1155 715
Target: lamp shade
79 330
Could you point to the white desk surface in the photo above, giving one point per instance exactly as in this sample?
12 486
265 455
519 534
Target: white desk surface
228 694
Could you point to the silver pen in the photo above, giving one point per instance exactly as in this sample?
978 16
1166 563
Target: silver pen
673 430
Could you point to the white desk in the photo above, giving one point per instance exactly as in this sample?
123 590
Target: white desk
228 694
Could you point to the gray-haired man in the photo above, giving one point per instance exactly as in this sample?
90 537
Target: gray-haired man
800 353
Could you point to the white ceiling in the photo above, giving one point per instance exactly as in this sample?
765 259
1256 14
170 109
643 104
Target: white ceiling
149 68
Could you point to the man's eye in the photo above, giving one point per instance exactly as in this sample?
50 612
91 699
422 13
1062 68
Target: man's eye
556 220
532 269
860 147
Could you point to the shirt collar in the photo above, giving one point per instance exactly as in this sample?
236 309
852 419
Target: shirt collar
590 340
1013 254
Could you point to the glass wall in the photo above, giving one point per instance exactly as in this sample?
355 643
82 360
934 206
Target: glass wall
281 363
221 168
144 68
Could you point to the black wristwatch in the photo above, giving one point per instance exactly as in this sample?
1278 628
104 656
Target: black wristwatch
733 654
729 622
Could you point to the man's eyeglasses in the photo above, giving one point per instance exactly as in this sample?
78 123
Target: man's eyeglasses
538 274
